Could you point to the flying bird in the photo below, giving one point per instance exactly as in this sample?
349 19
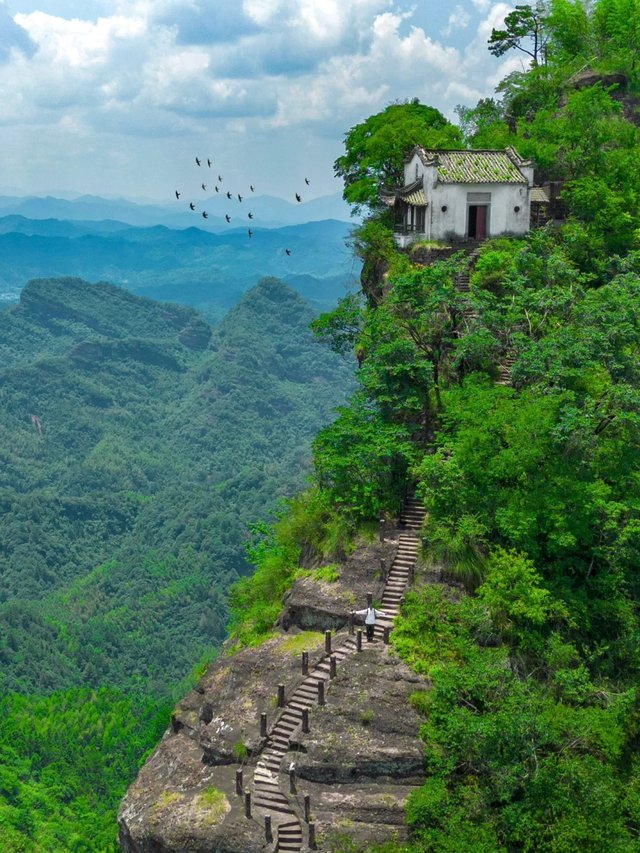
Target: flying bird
250 232
204 187
208 162
205 214
177 194
216 189
298 197
219 179
307 182
227 217
197 161
251 188
228 194
250 215
192 205
288 251
239 197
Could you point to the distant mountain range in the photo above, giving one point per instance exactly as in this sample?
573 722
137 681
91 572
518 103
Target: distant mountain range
193 266
268 211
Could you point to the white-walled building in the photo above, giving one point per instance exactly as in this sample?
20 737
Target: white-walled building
461 195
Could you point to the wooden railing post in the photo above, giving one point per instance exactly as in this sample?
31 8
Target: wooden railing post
312 837
305 663
359 640
305 721
332 666
327 642
268 832
307 808
280 695
321 693
247 804
239 781
292 780
385 634
263 725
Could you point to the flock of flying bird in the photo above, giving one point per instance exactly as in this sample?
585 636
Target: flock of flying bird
205 215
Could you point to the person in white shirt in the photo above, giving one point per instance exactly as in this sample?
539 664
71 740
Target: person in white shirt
370 615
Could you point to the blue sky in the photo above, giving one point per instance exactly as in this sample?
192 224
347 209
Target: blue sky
116 97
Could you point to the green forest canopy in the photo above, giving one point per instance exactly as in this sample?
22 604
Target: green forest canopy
532 487
125 511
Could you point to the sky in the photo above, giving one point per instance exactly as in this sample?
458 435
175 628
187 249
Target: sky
117 97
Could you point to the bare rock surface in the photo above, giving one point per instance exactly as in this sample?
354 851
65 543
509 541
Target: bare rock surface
362 756
359 762
314 605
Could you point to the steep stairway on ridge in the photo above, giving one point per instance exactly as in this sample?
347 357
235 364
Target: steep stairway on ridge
268 797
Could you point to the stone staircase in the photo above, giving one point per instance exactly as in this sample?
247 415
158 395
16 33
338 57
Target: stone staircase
504 369
290 826
463 278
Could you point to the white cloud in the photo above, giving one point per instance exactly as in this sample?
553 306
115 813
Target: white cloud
181 69
459 19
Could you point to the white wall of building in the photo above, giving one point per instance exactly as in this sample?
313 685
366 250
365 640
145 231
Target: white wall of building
503 217
505 197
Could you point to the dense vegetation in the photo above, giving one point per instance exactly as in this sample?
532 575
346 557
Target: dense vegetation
126 501
532 483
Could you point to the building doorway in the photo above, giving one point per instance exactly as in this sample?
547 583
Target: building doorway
478 221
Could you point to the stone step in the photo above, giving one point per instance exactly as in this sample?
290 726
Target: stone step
274 807
285 728
301 704
288 718
273 797
304 693
266 784
289 826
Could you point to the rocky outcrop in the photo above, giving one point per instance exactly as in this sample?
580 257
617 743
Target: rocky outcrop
358 762
315 605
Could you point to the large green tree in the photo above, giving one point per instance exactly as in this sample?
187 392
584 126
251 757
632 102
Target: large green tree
524 30
376 148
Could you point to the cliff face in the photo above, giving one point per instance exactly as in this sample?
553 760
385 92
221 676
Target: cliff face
358 762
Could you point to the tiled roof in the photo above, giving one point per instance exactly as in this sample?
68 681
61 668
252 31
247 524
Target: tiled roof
416 197
412 194
539 195
476 167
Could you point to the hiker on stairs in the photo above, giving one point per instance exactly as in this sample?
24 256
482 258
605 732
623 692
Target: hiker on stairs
370 615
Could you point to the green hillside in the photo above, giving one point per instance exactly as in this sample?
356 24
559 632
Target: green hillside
512 408
126 504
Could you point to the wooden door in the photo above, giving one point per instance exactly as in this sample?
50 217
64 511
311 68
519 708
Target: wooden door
481 222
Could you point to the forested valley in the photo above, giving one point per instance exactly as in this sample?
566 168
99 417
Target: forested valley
139 445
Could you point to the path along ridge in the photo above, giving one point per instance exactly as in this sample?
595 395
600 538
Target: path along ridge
268 798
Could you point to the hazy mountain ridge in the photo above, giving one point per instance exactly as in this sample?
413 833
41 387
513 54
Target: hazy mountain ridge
192 266
269 211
